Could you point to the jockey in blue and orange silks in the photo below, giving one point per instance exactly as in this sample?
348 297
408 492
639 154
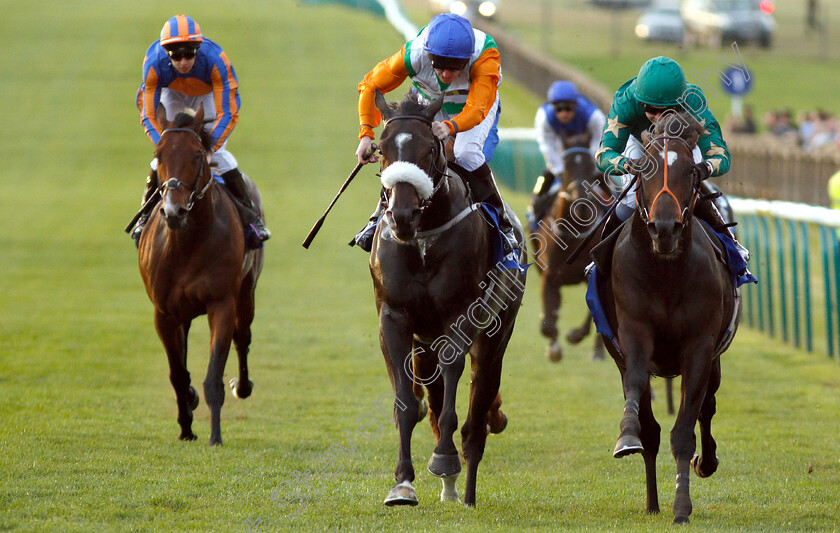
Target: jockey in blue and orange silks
181 71
448 59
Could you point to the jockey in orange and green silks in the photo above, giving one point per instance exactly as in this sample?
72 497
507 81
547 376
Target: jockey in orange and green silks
182 71
448 59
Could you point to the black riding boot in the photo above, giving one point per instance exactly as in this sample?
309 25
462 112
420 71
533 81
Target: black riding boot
484 189
364 239
151 187
247 210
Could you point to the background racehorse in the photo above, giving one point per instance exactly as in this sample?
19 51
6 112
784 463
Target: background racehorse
439 295
561 232
193 261
674 307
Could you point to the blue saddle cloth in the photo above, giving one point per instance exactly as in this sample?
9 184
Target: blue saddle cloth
733 260
502 262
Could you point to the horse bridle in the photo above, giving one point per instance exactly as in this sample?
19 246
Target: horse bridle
175 183
437 156
666 190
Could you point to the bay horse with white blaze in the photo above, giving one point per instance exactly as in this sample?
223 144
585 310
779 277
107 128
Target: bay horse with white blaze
439 295
574 211
193 261
674 308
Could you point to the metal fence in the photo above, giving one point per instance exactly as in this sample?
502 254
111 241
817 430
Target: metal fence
794 247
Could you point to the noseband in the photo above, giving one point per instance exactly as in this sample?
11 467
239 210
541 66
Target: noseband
176 184
666 190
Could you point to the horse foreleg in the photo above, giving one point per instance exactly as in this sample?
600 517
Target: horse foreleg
551 299
598 350
635 380
695 379
173 336
579 333
650 436
242 386
444 461
484 395
427 368
221 318
707 462
395 339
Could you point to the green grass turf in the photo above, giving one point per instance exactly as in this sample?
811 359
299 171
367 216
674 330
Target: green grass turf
88 437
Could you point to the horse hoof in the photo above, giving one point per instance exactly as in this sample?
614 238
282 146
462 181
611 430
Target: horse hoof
188 435
696 464
597 355
402 494
449 493
574 336
626 445
241 389
680 520
498 425
422 411
444 465
554 352
193 399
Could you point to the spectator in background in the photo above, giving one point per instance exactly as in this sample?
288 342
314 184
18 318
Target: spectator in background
745 124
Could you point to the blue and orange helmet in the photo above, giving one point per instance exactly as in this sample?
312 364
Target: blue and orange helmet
180 29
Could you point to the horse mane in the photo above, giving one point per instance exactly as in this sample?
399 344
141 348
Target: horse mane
679 124
186 120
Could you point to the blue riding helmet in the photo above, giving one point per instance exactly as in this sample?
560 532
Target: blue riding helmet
562 90
450 35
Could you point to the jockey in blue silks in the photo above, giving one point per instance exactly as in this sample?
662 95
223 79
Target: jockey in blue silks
565 113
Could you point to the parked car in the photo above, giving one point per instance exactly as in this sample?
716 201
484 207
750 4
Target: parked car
661 23
720 22
469 9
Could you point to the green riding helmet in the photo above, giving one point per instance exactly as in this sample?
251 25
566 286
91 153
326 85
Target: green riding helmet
661 82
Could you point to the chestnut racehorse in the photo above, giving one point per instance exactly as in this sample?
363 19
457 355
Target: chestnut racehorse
578 204
193 262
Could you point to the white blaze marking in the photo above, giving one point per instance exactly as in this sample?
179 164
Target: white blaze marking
401 140
672 156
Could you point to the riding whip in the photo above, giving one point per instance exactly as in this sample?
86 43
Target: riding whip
600 223
317 226
150 202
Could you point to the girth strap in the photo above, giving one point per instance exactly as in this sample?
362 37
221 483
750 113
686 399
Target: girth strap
457 218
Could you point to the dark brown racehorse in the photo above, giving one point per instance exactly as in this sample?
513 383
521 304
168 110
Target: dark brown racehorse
578 205
674 308
439 295
193 262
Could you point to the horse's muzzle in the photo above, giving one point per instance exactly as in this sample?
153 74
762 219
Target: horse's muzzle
175 216
404 222
665 236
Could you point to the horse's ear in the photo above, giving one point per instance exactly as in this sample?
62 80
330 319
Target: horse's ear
692 138
160 115
382 105
198 119
433 108
646 136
